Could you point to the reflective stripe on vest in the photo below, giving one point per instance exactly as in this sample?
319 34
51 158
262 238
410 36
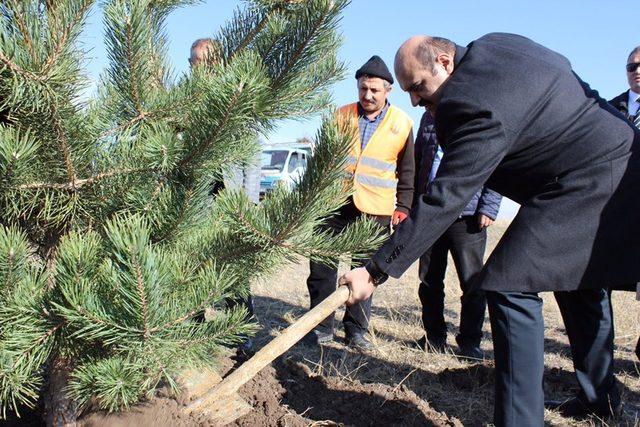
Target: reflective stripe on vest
374 168
376 182
377 164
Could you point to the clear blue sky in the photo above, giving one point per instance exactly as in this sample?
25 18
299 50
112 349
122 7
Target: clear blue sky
596 36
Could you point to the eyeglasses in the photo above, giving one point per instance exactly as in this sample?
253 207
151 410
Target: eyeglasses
632 67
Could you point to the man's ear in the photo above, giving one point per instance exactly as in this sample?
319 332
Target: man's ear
446 60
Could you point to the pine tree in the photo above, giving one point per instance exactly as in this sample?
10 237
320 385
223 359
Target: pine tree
109 241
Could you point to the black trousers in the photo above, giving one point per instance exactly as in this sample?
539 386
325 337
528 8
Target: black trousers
466 242
518 341
322 280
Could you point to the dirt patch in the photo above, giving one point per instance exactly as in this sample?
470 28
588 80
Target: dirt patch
347 402
265 394
289 394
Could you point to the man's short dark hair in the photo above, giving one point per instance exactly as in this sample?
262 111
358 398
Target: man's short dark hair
432 47
633 52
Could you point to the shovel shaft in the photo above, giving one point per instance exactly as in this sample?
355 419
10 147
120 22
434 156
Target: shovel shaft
273 349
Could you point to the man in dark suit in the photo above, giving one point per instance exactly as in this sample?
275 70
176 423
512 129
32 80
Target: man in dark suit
628 103
512 114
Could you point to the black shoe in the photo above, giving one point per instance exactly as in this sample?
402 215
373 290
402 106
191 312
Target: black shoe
317 337
432 346
359 342
638 349
472 352
469 351
576 408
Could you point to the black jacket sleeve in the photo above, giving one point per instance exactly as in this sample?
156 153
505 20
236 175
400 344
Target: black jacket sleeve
405 171
474 143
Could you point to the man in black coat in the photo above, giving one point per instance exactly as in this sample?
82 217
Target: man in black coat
512 114
628 103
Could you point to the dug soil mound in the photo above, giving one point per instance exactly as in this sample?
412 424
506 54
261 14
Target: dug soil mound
289 394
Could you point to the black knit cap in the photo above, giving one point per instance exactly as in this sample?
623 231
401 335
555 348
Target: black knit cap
375 67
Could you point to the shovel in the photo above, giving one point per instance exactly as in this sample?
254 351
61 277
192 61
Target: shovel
219 400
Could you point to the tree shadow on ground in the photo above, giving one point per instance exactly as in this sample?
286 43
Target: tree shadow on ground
621 366
561 384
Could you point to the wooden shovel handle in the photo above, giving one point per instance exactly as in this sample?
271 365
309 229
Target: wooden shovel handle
273 349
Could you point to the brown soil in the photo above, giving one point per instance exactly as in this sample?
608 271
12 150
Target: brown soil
289 394
329 401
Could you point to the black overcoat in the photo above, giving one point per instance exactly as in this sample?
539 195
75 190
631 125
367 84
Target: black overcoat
514 115
621 103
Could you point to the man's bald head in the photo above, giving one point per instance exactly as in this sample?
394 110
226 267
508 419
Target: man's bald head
422 51
205 51
422 65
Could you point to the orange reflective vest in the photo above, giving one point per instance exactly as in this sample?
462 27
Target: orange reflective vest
374 168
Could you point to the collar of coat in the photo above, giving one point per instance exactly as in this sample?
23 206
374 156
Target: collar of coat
621 102
461 51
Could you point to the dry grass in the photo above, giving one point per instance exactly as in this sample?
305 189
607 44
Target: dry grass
460 389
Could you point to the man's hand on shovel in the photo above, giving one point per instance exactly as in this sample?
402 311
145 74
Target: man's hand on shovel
359 282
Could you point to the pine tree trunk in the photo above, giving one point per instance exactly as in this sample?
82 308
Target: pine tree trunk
60 411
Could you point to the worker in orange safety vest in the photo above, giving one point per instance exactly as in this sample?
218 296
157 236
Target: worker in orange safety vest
381 166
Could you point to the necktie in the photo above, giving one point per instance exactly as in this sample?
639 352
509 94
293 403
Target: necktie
636 121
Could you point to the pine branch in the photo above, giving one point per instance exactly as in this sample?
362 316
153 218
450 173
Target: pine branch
276 240
229 112
141 294
19 71
82 312
18 16
37 343
188 315
147 115
154 195
140 117
255 31
301 48
64 145
132 68
184 206
64 34
79 183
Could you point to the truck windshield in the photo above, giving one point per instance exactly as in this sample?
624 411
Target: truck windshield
274 159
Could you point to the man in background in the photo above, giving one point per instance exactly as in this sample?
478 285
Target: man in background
628 103
381 165
466 240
